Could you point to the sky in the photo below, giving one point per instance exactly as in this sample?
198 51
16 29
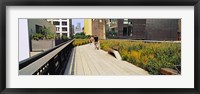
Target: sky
75 21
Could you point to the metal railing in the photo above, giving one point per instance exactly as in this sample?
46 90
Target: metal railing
50 62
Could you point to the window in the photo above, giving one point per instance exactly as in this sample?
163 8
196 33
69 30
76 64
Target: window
125 21
38 29
113 29
56 23
64 29
58 35
64 23
125 31
57 29
64 34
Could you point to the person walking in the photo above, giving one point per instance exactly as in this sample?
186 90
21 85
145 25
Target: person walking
96 40
91 40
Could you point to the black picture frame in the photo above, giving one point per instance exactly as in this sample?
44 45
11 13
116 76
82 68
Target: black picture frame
4 3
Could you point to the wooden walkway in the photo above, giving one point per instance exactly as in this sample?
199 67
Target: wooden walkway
89 61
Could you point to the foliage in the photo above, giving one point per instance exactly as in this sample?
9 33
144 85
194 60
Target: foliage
81 36
64 37
149 56
37 36
111 34
46 33
78 42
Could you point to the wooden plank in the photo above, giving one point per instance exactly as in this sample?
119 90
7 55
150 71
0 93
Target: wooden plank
79 66
106 63
75 63
132 69
102 69
90 63
115 63
138 70
121 65
98 62
86 68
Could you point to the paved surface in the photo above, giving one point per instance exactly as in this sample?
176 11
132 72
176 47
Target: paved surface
89 61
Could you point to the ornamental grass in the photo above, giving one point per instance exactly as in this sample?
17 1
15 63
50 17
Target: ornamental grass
149 56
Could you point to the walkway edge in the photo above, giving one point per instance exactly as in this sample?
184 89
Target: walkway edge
68 70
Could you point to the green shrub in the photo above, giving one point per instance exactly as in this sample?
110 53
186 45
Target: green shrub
149 56
45 33
50 36
81 36
78 42
37 36
65 37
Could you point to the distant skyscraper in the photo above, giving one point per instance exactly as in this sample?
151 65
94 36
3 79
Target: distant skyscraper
78 28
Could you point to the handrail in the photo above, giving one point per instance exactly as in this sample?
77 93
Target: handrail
27 61
49 62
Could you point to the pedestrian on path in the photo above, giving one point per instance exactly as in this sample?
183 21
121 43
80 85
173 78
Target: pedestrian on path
96 41
91 39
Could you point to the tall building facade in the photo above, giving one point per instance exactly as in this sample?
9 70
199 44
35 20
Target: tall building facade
98 28
95 27
111 28
149 29
162 29
63 27
35 26
88 26
78 28
179 29
112 24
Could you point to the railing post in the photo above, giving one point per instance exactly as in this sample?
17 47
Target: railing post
51 67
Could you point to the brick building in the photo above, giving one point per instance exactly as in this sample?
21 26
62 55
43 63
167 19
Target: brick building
98 28
149 29
95 27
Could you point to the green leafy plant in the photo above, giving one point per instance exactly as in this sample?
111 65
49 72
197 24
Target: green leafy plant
48 33
149 56
78 42
64 37
81 36
45 33
37 36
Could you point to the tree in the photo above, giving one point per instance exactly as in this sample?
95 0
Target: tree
47 33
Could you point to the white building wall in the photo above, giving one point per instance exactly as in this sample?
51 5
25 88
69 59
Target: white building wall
23 40
61 32
68 28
